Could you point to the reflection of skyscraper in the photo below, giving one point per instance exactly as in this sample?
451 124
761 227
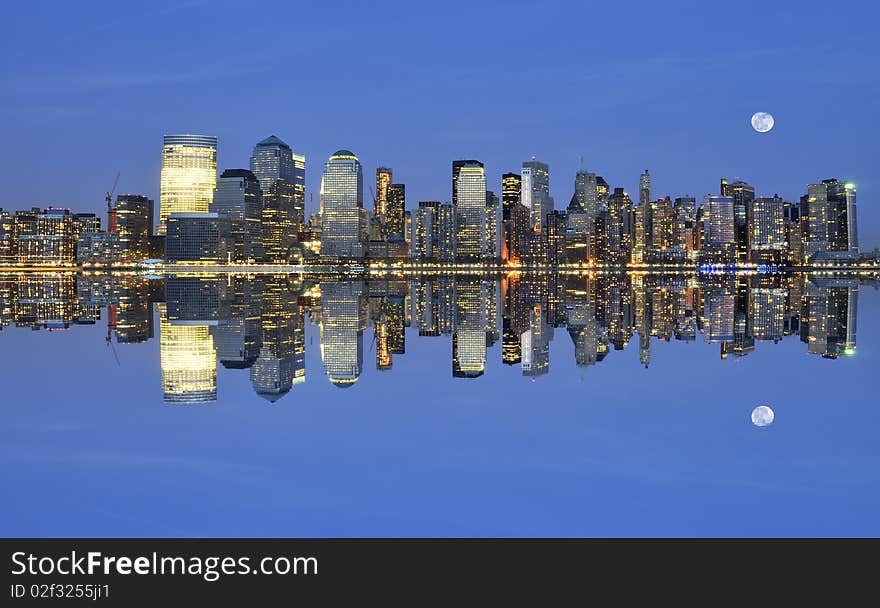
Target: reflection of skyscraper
342 217
383 353
281 362
189 175
511 353
343 321
719 308
395 317
469 336
427 305
134 313
237 338
828 320
580 315
766 313
535 344
187 359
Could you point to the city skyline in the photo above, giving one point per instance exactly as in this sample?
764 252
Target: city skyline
687 125
258 216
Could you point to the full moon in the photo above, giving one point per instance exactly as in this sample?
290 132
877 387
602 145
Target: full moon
762 121
762 416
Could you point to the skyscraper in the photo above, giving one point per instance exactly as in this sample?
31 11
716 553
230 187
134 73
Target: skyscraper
283 213
134 225
8 238
642 219
470 212
511 189
619 227
299 188
828 213
491 246
240 199
427 231
342 221
743 195
456 168
199 237
189 175
46 237
719 229
579 227
395 207
446 232
644 187
766 227
586 192
271 160
383 182
536 192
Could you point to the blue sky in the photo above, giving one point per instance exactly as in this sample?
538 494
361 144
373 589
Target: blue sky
90 88
89 448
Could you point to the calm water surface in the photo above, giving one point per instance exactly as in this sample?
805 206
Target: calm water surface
441 406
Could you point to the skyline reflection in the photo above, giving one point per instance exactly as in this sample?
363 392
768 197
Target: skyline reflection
258 323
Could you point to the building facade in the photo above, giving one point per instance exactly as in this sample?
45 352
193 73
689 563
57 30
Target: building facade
343 221
240 199
189 175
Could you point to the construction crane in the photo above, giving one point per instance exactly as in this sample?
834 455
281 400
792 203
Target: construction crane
111 212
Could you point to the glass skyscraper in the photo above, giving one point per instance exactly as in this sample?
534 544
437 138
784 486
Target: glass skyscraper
383 182
134 225
719 224
470 212
275 167
342 201
536 191
240 199
189 175
343 320
188 361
